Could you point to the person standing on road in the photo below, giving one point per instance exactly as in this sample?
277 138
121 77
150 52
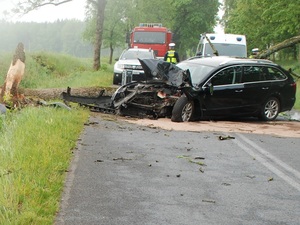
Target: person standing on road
171 55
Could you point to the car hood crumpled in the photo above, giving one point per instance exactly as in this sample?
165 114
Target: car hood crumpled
156 69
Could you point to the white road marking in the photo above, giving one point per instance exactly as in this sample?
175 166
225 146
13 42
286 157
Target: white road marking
262 155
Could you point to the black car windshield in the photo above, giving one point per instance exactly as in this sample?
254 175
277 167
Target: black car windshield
198 71
137 54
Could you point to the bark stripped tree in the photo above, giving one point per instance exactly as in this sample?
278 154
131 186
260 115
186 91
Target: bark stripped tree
27 6
14 75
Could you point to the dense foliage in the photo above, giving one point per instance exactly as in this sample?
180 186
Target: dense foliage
264 22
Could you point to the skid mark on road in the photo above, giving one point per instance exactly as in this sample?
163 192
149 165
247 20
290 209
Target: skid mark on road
271 162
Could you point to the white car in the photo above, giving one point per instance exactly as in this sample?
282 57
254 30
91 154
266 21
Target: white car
129 61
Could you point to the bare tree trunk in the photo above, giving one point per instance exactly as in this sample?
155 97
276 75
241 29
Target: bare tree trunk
55 93
14 75
111 53
100 6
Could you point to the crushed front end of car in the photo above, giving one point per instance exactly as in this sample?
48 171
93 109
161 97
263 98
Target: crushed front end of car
153 97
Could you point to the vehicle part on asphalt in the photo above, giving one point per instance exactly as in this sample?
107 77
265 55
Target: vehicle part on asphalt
153 97
222 138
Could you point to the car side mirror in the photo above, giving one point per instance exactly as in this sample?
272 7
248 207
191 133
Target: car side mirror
209 88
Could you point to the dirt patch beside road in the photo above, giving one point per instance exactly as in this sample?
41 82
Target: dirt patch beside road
274 128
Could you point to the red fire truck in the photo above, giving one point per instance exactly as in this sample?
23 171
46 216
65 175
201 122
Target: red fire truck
151 35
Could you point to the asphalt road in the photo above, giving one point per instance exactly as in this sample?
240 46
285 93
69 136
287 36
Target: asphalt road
125 173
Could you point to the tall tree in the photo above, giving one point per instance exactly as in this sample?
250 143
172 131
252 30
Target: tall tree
190 19
264 22
25 6
99 5
115 25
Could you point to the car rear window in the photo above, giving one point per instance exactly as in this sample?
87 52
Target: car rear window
261 73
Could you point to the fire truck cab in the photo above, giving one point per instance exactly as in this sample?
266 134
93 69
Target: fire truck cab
151 36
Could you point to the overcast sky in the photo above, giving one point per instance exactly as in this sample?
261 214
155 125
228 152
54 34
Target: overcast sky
71 10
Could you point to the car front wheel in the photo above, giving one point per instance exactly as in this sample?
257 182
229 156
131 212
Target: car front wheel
183 110
270 109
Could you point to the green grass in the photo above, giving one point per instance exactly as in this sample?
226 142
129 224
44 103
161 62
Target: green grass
295 66
36 147
49 70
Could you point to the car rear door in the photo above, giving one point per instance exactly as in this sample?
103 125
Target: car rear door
226 98
256 88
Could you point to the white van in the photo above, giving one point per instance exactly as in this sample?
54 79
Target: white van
223 45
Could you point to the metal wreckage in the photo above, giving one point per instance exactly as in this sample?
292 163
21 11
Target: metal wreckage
153 97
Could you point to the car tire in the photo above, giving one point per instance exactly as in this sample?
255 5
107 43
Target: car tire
270 109
183 110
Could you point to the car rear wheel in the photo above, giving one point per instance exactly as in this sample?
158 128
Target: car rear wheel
183 110
270 109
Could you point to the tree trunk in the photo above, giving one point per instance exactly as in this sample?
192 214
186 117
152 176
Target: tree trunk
285 44
100 6
111 53
14 75
55 93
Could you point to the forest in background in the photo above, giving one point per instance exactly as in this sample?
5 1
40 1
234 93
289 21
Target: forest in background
61 36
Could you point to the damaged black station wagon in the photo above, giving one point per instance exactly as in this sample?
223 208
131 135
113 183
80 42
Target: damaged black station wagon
200 88
231 87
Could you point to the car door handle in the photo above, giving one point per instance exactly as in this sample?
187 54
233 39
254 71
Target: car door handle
265 88
238 91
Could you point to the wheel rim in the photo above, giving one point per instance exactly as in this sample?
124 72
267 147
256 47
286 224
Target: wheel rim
187 112
271 109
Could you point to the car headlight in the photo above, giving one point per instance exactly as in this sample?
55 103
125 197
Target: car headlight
120 66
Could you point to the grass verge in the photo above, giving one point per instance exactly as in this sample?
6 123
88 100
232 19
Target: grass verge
36 148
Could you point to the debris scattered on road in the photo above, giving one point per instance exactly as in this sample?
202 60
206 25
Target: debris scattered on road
121 158
91 123
99 160
192 160
209 201
54 104
197 162
271 179
199 157
221 138
250 176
